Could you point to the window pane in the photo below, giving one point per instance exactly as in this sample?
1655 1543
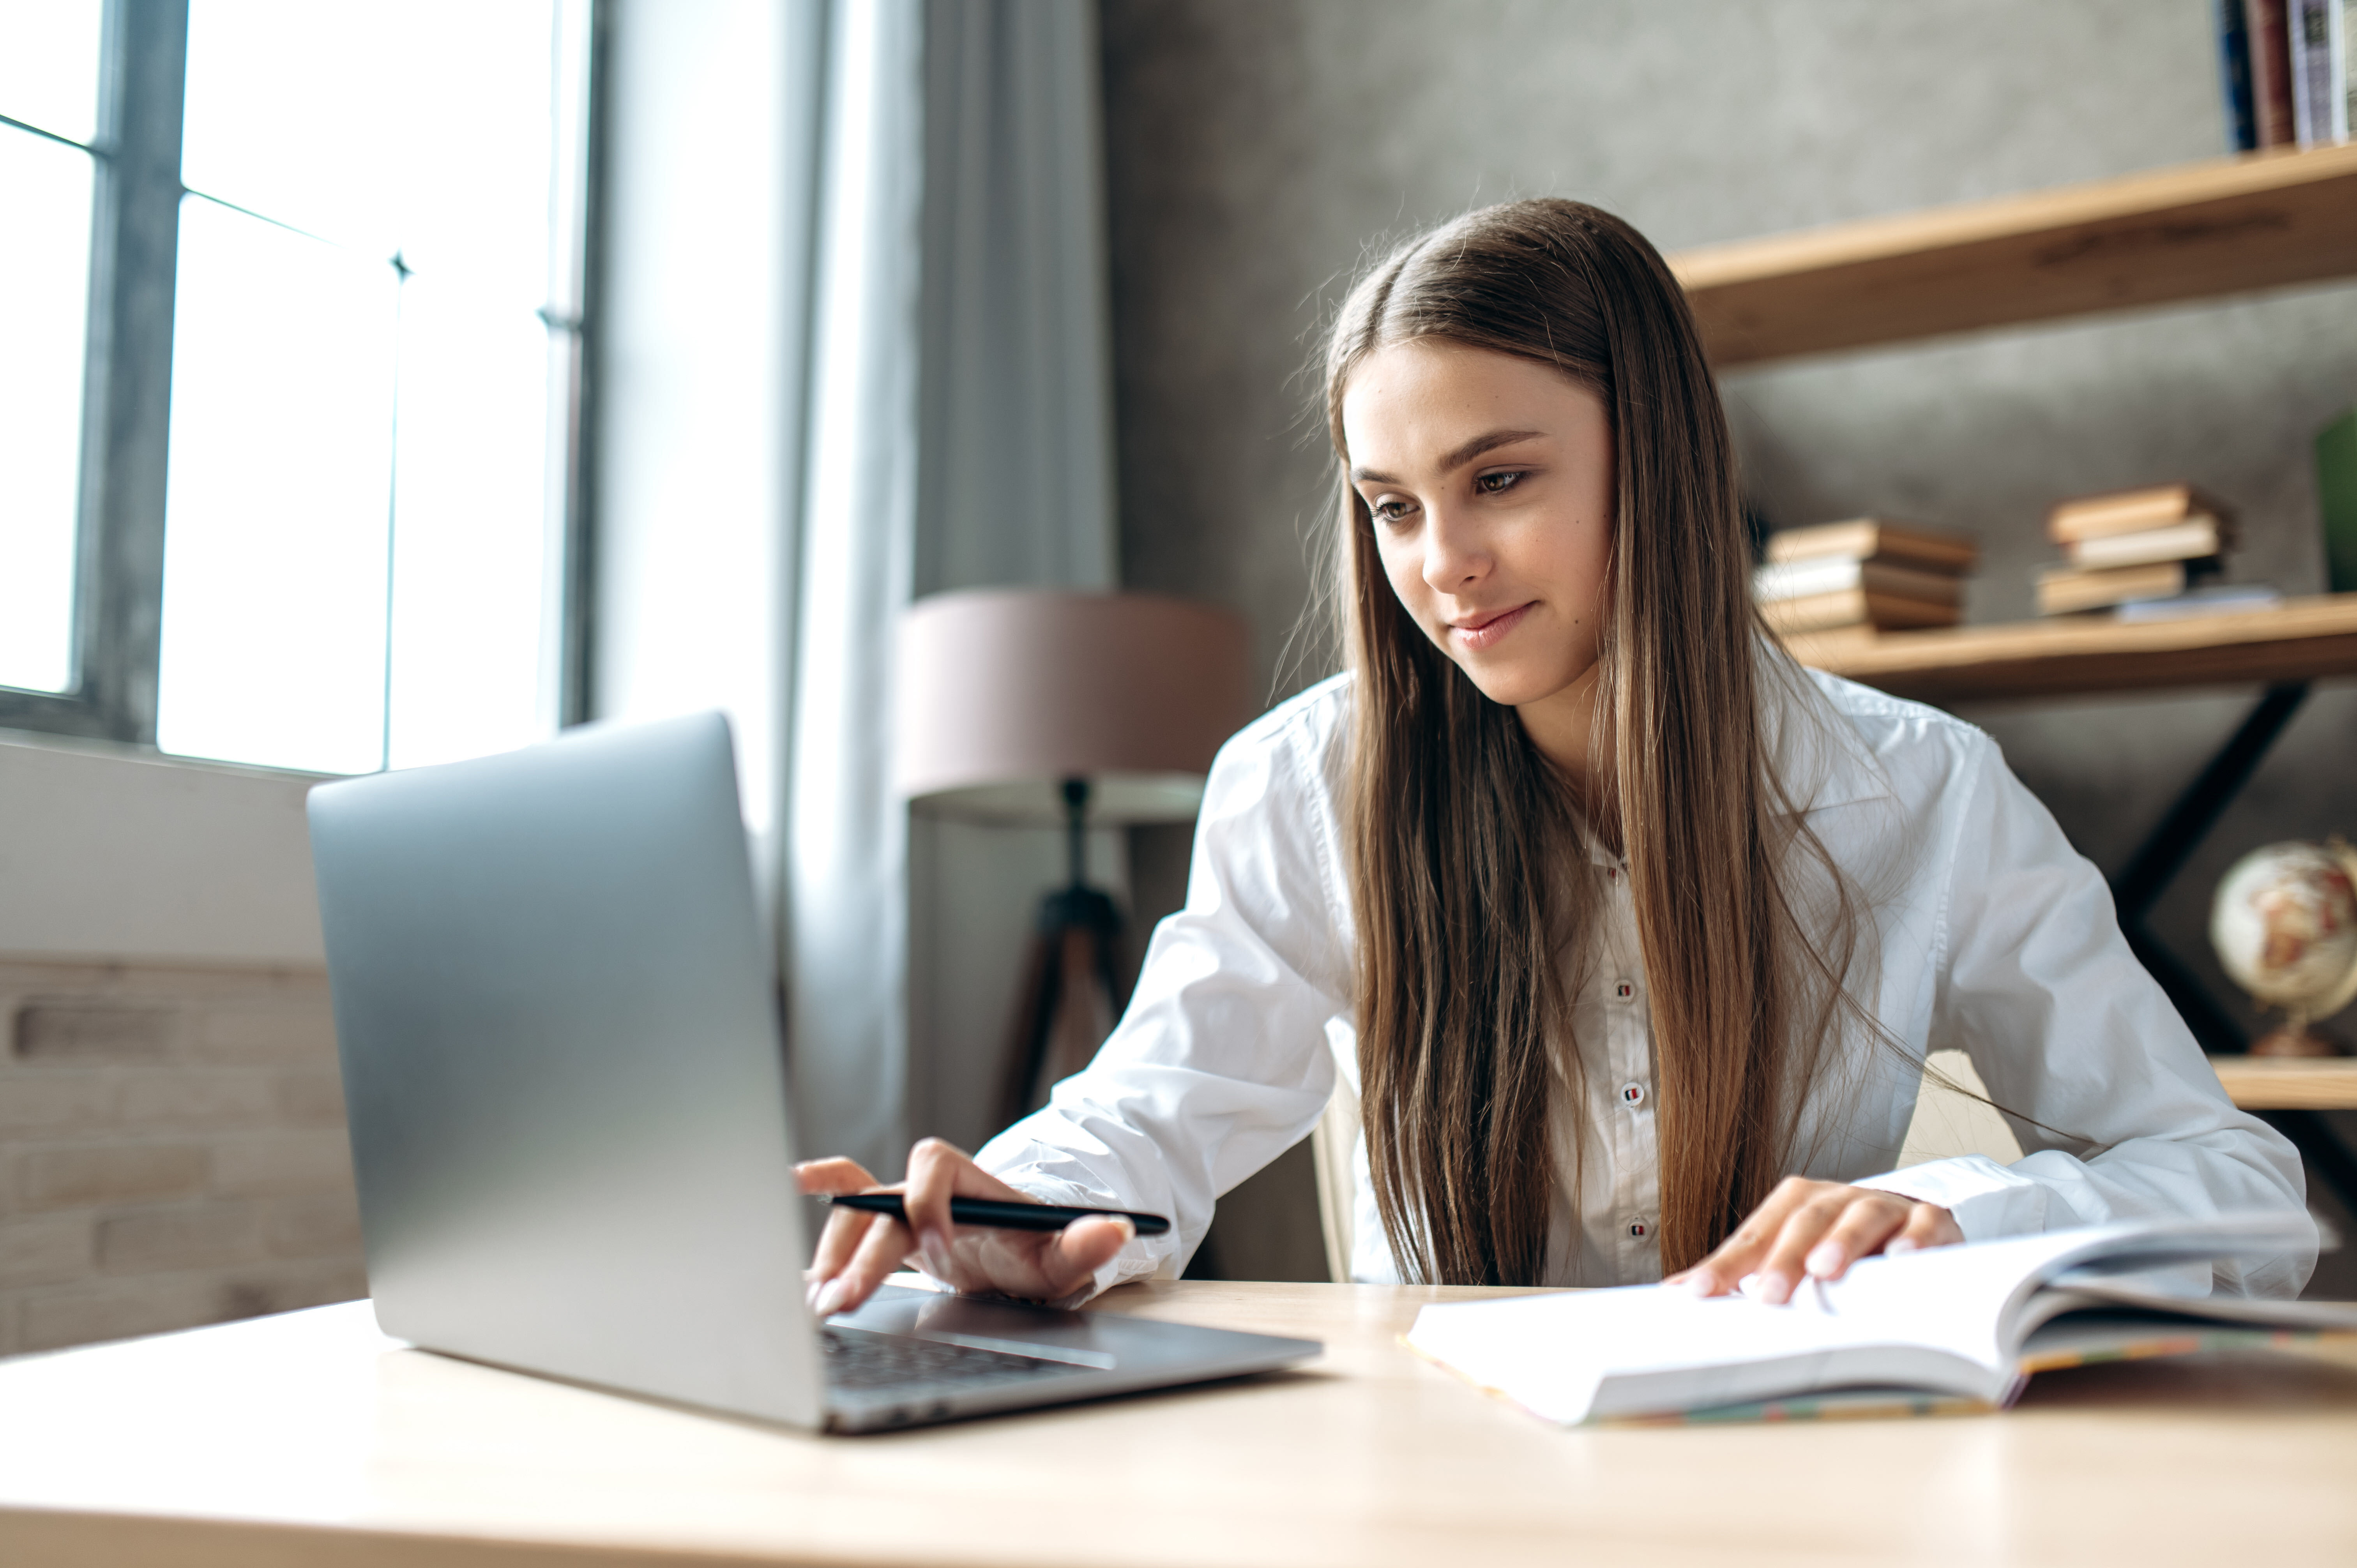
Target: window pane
276 520
294 111
478 151
49 64
423 126
426 130
45 195
473 554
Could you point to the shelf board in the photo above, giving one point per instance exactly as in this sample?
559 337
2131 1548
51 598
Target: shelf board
2289 1083
2300 640
2226 225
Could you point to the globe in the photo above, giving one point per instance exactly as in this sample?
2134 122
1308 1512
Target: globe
2285 925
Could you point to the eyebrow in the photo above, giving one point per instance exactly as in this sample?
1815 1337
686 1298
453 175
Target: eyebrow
1458 458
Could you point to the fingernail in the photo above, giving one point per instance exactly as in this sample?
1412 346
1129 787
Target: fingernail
1698 1284
1128 1232
1901 1244
1775 1289
830 1297
1825 1260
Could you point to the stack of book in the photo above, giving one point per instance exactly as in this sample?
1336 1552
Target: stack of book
1883 576
2286 68
2133 545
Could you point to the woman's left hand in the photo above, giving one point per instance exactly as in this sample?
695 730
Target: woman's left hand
1817 1228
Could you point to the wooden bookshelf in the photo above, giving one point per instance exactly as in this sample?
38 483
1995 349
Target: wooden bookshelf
2300 639
2289 1083
2197 231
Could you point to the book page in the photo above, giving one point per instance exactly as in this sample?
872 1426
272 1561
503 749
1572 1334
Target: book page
1950 1317
1552 1353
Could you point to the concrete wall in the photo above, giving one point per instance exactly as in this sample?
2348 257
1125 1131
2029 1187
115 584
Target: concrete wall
1258 147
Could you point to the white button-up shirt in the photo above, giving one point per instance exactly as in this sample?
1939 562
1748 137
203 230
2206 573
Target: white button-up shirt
1986 932
1603 1124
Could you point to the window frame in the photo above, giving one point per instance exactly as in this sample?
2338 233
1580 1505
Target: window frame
117 636
127 384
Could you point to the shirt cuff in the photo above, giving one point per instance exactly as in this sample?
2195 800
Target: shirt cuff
1988 1199
1145 1257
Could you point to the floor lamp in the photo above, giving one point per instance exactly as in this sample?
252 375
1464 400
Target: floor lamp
1034 708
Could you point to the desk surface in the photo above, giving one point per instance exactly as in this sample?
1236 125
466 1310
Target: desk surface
309 1439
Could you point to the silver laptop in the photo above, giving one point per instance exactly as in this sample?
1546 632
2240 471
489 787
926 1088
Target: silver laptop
569 1122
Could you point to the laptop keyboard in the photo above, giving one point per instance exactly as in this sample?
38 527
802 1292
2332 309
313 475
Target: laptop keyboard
857 1358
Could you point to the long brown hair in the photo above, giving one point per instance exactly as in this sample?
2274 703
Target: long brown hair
1461 831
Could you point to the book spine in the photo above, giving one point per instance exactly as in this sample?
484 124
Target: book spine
2266 25
2189 541
2235 75
2311 70
2068 590
2129 514
1799 579
1816 612
2344 79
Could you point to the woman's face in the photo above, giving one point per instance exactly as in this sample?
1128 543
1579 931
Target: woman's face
1491 482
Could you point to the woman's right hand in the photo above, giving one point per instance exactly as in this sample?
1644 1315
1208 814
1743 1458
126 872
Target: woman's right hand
859 1248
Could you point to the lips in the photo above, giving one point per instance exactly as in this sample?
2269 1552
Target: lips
1481 631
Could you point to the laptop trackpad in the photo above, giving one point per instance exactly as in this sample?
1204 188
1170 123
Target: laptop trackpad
1082 1338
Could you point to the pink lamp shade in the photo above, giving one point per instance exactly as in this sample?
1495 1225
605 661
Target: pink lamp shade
1006 693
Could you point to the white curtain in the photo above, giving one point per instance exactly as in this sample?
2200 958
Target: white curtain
844 922
1018 455
854 351
1016 476
961 437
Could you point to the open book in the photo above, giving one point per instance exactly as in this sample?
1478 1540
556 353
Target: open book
1946 1328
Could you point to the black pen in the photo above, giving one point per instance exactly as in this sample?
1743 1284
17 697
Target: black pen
1004 1216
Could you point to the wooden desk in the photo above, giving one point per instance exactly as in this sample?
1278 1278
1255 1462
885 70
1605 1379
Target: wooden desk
309 1439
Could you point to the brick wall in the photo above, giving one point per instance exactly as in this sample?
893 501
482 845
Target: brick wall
172 1150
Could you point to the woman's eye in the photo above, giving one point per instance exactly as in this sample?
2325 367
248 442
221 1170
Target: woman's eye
1497 484
1389 510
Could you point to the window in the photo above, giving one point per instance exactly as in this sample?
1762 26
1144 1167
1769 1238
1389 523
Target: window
49 88
288 452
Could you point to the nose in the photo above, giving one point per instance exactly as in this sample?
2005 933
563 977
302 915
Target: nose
1455 556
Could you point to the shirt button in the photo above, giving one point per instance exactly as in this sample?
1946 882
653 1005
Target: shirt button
1622 991
1639 1229
1632 1094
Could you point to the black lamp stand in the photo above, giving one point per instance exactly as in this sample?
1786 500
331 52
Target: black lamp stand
1071 991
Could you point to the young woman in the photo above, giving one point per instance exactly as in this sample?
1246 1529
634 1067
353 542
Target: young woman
1628 936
